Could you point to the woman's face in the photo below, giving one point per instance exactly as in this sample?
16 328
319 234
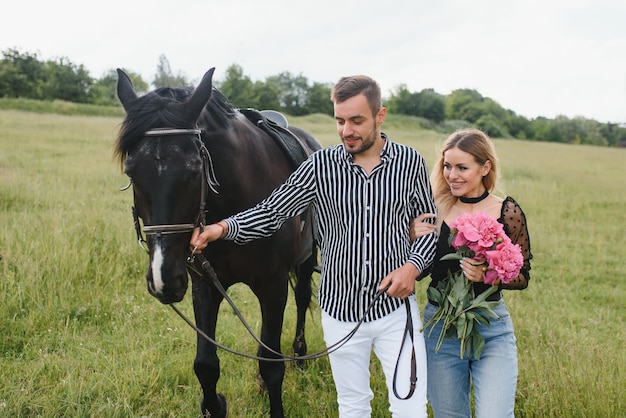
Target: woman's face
463 173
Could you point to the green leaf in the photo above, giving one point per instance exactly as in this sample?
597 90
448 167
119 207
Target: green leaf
452 256
434 295
488 312
451 237
466 300
460 286
483 296
482 320
471 318
461 326
479 345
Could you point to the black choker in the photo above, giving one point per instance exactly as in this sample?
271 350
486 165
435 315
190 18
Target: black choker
473 200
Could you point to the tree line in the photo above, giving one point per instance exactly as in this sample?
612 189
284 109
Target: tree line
25 75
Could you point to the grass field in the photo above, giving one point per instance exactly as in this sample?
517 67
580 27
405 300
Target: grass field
81 337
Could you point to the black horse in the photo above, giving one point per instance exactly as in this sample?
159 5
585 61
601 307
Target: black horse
192 157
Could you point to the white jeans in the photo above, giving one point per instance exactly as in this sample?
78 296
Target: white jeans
350 363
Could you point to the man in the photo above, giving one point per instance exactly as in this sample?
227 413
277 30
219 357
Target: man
363 193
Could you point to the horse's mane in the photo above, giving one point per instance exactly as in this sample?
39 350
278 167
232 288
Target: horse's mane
157 110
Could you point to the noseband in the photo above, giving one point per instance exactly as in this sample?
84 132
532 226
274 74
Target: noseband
208 181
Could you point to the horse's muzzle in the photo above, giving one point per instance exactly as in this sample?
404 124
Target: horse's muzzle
170 291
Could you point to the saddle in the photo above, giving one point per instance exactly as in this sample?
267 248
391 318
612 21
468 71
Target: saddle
275 125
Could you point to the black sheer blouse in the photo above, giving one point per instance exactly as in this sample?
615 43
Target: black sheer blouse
514 221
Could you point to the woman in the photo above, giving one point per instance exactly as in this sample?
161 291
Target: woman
463 180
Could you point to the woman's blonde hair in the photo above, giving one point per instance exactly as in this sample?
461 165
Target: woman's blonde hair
476 143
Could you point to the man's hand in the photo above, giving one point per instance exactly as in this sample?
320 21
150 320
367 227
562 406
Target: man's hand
211 233
401 281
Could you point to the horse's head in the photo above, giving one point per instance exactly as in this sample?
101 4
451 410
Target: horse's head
163 154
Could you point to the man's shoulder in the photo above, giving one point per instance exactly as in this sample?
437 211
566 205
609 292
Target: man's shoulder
333 151
405 150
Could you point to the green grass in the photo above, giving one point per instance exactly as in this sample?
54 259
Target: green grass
81 337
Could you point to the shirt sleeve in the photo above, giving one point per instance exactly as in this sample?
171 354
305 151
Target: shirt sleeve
286 201
516 228
423 249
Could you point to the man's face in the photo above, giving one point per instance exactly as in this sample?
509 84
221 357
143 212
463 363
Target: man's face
356 126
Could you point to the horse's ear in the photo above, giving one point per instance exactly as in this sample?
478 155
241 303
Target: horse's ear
125 90
200 97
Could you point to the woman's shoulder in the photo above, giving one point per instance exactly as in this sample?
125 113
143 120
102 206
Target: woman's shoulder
509 202
511 209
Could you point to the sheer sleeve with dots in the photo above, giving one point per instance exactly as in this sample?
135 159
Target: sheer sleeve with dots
515 227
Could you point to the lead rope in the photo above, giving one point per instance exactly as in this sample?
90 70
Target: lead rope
408 330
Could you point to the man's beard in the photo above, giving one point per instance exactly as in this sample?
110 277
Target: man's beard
366 143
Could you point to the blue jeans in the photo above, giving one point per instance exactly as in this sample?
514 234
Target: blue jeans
494 376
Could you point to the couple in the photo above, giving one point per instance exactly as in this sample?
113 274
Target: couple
364 193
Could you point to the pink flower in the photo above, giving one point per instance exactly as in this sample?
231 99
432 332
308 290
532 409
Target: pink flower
505 262
482 237
479 232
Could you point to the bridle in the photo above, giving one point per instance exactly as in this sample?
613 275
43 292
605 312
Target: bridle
209 181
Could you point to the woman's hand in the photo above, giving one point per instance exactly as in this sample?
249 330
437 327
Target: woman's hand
419 227
474 270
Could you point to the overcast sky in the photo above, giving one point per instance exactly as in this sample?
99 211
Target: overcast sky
535 57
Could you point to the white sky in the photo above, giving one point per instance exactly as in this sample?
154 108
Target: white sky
535 57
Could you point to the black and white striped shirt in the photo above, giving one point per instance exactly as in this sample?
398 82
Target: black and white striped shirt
362 223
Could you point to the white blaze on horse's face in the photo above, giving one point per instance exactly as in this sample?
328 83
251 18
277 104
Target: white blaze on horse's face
157 276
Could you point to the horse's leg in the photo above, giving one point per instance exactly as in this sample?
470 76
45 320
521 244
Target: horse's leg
303 292
207 365
273 300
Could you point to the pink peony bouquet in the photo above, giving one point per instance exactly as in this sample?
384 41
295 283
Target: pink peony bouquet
481 238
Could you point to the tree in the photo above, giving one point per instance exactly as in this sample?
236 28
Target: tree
266 96
66 81
431 105
318 99
402 101
492 126
518 126
425 104
292 92
238 88
546 131
463 104
614 134
164 76
21 75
